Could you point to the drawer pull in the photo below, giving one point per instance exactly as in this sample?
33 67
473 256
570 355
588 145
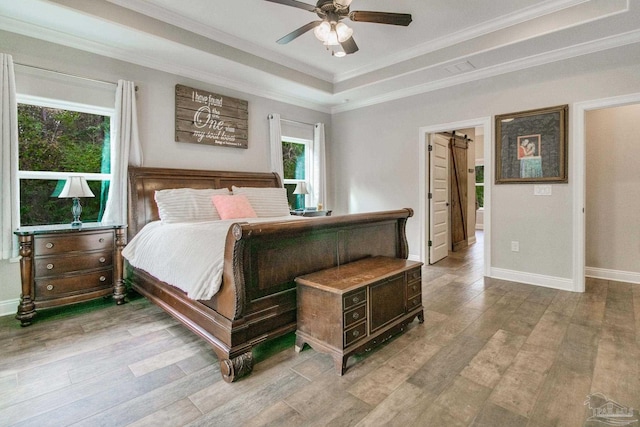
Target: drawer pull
49 245
49 266
101 240
414 288
102 278
102 259
356 315
356 300
356 333
49 287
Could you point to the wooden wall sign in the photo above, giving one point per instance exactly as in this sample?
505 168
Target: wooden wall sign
207 118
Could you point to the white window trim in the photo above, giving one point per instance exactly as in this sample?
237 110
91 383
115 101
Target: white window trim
71 106
307 163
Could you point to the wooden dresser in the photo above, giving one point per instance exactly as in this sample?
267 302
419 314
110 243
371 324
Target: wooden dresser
352 308
62 265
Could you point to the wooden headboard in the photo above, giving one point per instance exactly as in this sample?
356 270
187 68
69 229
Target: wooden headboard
143 182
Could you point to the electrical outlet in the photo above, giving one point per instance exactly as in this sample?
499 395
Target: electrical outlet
515 246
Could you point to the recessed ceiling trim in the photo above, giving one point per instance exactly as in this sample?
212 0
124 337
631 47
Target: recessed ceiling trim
466 34
619 40
42 33
165 15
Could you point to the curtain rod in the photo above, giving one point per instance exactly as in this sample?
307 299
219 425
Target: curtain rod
292 121
68 75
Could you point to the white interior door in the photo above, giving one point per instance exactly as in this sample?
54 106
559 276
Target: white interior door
438 197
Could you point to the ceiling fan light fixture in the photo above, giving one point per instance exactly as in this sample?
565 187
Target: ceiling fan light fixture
332 39
343 31
322 31
341 4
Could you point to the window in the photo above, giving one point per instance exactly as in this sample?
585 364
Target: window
480 186
296 159
58 139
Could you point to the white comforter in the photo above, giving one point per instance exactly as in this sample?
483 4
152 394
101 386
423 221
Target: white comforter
189 256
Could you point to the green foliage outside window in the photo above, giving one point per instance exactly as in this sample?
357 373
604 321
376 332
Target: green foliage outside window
59 140
480 188
293 159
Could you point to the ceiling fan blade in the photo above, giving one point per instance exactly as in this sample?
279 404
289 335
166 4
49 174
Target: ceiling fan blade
403 19
297 33
295 3
349 46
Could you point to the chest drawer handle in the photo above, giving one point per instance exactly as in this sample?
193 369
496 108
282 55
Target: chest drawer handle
356 333
101 240
49 287
49 266
49 245
356 300
102 278
102 259
414 288
356 315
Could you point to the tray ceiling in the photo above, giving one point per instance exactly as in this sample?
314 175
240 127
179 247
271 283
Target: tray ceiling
233 43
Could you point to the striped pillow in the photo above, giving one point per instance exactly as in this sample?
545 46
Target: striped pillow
266 202
187 204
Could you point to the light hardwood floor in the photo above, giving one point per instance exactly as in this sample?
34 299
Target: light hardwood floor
490 353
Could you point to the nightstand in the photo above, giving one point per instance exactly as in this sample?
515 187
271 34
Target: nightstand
62 265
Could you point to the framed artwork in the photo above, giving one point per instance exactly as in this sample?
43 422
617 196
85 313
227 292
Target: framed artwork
531 146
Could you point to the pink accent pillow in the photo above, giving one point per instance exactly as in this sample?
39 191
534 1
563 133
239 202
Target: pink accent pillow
231 207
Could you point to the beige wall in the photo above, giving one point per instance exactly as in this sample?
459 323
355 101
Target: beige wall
612 212
375 154
155 101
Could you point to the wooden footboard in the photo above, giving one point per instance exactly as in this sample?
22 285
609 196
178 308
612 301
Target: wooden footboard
257 298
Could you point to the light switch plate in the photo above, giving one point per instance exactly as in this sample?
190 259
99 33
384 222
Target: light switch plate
542 190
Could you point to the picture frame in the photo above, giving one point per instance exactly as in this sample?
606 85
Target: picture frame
531 146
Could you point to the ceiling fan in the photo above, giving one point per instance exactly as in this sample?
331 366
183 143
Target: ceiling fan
331 31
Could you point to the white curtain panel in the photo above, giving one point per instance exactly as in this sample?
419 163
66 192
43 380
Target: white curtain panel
126 151
9 209
318 173
275 142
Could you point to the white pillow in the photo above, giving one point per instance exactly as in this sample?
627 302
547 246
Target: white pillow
267 202
187 204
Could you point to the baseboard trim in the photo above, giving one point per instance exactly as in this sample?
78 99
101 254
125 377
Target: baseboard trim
533 279
9 307
615 275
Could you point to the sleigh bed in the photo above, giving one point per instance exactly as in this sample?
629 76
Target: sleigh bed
256 300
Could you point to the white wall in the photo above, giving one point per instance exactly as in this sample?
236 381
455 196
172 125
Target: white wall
375 156
613 192
156 106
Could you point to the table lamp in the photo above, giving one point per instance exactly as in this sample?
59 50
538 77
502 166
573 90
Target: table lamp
301 188
76 187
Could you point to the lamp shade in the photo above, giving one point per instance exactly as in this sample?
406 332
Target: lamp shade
301 188
76 186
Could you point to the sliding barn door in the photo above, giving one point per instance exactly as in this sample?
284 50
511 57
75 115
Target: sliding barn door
458 178
438 197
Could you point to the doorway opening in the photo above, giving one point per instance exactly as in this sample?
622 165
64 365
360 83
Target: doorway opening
585 197
435 209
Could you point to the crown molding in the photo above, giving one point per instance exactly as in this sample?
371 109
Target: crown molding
65 39
586 48
464 35
162 14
